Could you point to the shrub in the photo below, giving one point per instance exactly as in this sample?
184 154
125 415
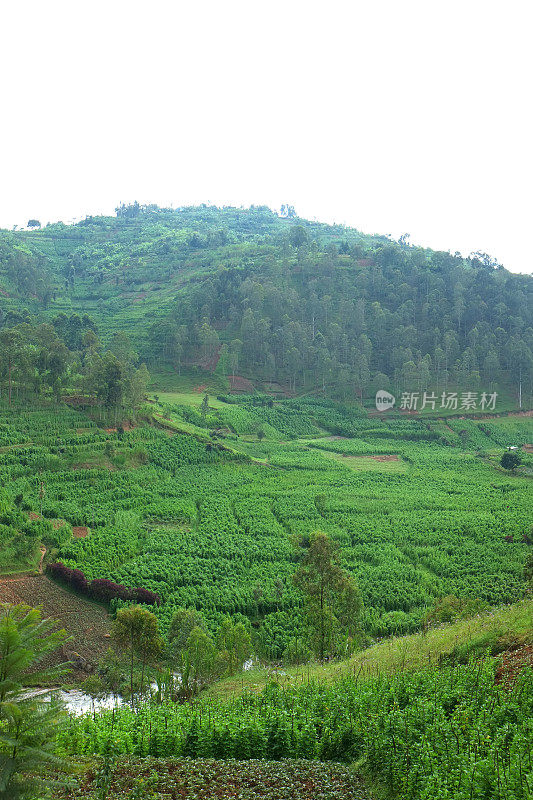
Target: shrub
140 595
106 590
101 589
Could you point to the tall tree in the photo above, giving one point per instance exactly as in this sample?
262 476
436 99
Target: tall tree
13 354
137 631
332 598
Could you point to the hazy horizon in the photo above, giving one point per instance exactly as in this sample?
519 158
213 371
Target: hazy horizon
393 119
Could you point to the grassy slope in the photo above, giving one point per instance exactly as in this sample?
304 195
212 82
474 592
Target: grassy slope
514 622
143 282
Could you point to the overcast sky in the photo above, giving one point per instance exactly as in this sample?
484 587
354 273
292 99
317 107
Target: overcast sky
392 117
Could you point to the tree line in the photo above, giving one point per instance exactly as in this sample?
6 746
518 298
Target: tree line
403 317
66 355
284 299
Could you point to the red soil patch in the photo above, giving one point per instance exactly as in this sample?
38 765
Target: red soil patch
385 458
80 531
57 523
33 516
240 384
200 389
528 448
209 363
513 661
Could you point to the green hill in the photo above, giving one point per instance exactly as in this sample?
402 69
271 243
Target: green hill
251 508
278 300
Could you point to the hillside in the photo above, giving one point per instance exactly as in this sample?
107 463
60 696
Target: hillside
87 623
424 728
286 303
204 509
309 592
506 633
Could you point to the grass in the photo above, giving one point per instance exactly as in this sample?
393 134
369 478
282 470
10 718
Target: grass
398 652
366 463
166 380
189 399
22 566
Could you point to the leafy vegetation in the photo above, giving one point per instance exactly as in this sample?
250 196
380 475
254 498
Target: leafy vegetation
210 525
451 733
279 299
211 779
27 726
293 525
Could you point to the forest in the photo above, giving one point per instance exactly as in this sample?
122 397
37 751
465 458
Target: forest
273 298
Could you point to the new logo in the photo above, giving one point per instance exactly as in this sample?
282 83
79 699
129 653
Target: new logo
384 401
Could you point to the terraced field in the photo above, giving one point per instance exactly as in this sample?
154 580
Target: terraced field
418 508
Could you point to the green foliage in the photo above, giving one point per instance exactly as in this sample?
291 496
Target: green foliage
332 599
211 528
452 732
528 569
278 299
136 632
451 608
27 725
152 778
234 644
510 460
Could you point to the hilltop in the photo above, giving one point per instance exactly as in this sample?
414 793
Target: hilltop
285 304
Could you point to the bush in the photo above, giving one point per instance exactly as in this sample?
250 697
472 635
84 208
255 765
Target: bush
510 460
140 595
105 590
101 589
452 608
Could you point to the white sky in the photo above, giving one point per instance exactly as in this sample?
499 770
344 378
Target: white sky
391 116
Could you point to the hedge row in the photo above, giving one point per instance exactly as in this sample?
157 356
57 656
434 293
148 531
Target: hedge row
101 588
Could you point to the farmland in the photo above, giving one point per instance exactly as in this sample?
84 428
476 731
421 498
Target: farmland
419 508
265 483
256 780
87 623
452 732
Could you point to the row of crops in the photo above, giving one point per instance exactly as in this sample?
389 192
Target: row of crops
451 733
213 527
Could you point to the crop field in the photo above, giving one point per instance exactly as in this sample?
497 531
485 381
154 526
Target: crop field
418 508
86 622
210 779
381 463
454 732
